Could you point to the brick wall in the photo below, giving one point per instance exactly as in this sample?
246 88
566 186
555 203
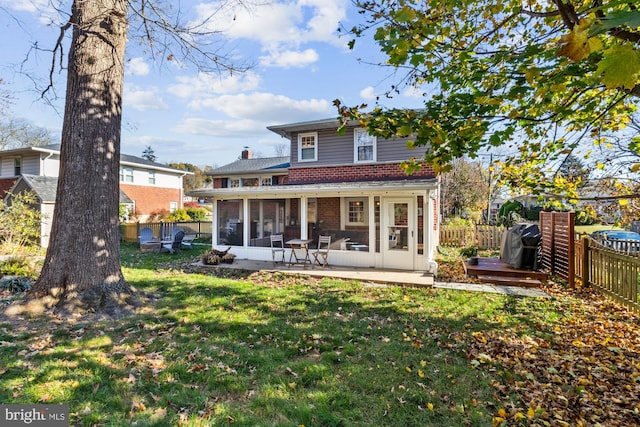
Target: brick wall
329 212
349 173
151 200
5 186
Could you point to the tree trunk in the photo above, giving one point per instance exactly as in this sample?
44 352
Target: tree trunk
82 266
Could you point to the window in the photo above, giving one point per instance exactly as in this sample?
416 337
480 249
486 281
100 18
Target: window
364 146
173 206
17 166
356 212
308 147
250 182
152 177
266 181
126 174
234 183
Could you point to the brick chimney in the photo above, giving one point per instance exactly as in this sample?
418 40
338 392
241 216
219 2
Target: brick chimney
246 154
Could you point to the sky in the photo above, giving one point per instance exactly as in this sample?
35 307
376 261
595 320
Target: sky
299 62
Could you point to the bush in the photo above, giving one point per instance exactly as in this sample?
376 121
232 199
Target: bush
469 251
197 214
17 266
179 215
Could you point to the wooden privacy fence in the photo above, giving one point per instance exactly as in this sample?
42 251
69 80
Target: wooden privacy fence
482 235
558 257
131 231
614 272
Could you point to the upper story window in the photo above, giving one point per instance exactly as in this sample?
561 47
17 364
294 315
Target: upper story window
126 174
152 177
250 182
266 181
234 183
308 147
17 166
364 146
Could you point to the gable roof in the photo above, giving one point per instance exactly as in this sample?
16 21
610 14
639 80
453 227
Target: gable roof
45 187
271 164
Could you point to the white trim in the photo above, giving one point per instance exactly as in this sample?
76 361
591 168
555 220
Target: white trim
374 143
315 146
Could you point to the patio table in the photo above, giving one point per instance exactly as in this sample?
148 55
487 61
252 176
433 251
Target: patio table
299 251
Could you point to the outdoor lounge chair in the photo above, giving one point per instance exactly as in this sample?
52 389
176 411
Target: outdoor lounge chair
174 244
146 235
187 241
321 254
277 246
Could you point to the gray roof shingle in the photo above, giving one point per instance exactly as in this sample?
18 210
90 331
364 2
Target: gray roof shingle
252 165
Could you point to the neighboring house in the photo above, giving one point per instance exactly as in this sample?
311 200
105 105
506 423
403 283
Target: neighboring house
146 187
348 186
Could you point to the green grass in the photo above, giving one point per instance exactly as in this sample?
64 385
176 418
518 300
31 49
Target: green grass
266 351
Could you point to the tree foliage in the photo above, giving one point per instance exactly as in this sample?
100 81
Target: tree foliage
192 182
534 78
149 154
20 220
464 188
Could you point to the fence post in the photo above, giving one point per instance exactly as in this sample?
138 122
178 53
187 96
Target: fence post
585 261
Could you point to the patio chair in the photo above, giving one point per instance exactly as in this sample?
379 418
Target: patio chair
187 241
174 244
321 254
277 246
146 235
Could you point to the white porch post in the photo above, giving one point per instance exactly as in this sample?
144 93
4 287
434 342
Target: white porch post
246 224
304 227
372 224
214 224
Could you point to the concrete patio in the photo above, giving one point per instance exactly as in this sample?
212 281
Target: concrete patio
380 277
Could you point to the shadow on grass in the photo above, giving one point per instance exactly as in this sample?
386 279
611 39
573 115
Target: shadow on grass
283 351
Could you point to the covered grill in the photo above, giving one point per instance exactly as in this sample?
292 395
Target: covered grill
519 246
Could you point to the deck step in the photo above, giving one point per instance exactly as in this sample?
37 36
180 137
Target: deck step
511 281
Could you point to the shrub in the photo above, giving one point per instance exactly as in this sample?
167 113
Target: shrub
20 220
197 214
17 266
179 215
469 251
15 284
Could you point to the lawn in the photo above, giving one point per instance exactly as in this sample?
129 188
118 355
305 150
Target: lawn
258 349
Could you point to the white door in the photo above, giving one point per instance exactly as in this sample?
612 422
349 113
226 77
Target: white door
398 238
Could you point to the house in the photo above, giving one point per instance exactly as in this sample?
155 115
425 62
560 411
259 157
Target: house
349 186
146 188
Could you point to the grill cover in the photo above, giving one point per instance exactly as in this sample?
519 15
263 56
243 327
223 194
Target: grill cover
519 246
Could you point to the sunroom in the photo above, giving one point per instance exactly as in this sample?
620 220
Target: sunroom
391 224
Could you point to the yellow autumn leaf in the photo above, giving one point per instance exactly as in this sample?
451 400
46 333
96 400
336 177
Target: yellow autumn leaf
420 373
430 406
408 369
531 413
502 413
577 45
423 363
497 421
623 202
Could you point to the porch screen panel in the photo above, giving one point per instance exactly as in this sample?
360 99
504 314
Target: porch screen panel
230 222
267 218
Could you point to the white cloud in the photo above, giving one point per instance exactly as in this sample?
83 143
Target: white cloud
280 27
220 128
289 59
143 99
204 85
43 10
368 93
137 67
268 108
